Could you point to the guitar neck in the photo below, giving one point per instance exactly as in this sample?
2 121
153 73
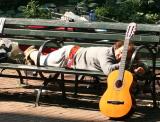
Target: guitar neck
123 60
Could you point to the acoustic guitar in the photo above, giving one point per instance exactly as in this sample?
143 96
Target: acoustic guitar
117 102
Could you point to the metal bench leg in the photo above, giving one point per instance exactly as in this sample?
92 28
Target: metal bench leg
45 83
60 83
62 86
77 79
76 85
154 79
16 61
153 93
98 85
39 92
21 79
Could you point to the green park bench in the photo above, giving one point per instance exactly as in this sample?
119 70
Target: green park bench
146 40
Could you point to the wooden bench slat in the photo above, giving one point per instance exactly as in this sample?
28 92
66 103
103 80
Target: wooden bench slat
54 44
49 69
149 63
85 35
96 25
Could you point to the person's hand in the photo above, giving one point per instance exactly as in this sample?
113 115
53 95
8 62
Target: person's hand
139 70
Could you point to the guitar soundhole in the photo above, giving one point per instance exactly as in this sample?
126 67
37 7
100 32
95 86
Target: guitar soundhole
118 83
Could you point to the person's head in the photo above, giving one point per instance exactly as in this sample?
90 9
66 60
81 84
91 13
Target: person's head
118 49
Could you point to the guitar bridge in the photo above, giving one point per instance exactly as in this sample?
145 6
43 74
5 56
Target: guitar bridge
115 102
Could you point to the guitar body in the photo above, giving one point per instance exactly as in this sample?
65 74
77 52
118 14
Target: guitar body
117 102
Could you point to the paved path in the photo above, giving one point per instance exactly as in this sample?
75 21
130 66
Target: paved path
17 105
13 111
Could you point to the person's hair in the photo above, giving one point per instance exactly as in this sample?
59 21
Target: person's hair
120 43
131 48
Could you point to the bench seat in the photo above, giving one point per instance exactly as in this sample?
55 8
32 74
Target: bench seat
49 69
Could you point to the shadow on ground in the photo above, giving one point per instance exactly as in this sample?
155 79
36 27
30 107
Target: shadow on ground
11 117
142 113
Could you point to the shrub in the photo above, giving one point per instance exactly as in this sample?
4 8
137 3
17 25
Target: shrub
33 10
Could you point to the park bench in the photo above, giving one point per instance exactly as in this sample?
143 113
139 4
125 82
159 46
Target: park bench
17 29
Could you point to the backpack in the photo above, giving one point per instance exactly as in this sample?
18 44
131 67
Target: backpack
5 49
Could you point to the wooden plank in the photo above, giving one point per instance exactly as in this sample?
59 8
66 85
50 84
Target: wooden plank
40 42
149 63
35 42
93 25
49 69
85 35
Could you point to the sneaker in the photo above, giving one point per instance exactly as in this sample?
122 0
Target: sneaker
28 51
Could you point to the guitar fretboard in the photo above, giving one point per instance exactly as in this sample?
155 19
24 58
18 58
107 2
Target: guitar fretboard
123 60
129 33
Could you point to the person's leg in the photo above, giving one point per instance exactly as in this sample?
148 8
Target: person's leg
33 56
55 58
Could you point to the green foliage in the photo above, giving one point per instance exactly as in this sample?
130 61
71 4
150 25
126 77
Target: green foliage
84 6
33 10
152 18
102 11
141 11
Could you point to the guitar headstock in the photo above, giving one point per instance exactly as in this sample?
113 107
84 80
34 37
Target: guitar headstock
130 30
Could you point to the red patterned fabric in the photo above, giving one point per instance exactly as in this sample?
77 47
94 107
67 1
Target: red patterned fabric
70 59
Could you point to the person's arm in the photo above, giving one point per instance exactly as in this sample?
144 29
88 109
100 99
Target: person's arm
109 67
138 67
108 64
141 68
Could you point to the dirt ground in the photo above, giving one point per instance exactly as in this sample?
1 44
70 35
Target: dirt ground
17 104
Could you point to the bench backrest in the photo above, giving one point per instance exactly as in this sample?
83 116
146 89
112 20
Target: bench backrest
36 31
19 30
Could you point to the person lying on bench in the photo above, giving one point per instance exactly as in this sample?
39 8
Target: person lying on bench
104 59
